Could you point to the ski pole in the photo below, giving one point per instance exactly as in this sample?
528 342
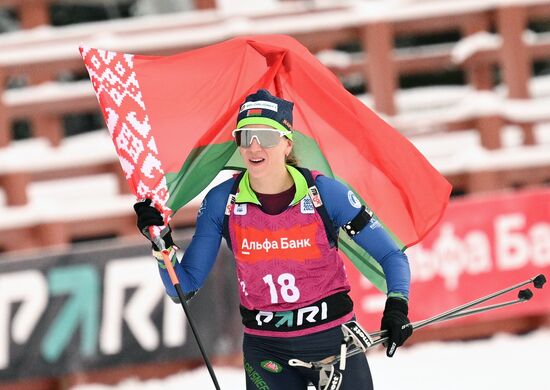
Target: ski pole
523 296
159 242
538 281
460 311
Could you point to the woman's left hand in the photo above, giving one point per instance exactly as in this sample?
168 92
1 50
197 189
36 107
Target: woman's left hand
396 322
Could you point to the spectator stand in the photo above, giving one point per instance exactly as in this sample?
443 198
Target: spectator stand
435 118
34 13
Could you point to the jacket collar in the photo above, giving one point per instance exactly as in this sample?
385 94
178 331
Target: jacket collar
247 195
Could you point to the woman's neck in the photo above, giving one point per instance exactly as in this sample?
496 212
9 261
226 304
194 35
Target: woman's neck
272 184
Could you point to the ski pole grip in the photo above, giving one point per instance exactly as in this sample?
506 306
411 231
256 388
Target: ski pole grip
539 281
159 242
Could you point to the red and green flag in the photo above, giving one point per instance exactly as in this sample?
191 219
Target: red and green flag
171 120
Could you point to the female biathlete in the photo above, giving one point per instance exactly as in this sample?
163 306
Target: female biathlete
281 222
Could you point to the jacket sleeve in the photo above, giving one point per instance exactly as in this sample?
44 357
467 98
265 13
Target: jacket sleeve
342 206
199 257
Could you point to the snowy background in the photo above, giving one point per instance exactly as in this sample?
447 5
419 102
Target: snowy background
504 362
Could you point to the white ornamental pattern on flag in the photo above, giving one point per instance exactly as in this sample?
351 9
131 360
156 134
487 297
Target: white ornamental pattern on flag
117 89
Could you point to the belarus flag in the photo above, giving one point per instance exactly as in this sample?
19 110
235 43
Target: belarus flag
171 120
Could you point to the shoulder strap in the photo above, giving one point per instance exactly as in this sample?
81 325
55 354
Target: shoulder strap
315 196
229 208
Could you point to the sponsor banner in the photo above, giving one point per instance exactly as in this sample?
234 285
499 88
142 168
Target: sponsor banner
297 242
483 244
91 309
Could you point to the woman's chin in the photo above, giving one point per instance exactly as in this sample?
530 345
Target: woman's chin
257 170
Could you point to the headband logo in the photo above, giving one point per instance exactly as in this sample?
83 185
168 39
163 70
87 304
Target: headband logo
260 104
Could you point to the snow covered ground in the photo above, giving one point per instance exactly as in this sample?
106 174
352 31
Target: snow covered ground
502 362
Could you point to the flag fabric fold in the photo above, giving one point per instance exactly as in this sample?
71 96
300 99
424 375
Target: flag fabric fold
171 120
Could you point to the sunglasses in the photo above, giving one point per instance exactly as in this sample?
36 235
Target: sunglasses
266 137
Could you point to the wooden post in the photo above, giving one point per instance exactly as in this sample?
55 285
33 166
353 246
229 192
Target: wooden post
515 59
33 13
205 4
39 76
5 127
483 181
377 39
52 234
16 239
479 74
5 122
15 186
49 127
489 130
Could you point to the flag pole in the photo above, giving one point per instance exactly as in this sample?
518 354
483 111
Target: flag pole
159 242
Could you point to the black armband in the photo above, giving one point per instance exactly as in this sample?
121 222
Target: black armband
358 222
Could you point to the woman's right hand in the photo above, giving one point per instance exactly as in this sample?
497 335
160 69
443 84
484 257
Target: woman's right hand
148 215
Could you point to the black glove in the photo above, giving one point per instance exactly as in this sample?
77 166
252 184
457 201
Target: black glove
148 215
397 324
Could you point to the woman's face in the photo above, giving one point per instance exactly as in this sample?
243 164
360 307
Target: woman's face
261 162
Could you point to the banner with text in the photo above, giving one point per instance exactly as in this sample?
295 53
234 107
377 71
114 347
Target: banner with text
97 308
483 244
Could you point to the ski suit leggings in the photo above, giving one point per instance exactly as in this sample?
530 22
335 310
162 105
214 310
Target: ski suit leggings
266 362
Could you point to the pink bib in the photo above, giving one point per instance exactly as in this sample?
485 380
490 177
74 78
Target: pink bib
283 261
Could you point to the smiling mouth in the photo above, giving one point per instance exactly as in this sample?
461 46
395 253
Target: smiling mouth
256 161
